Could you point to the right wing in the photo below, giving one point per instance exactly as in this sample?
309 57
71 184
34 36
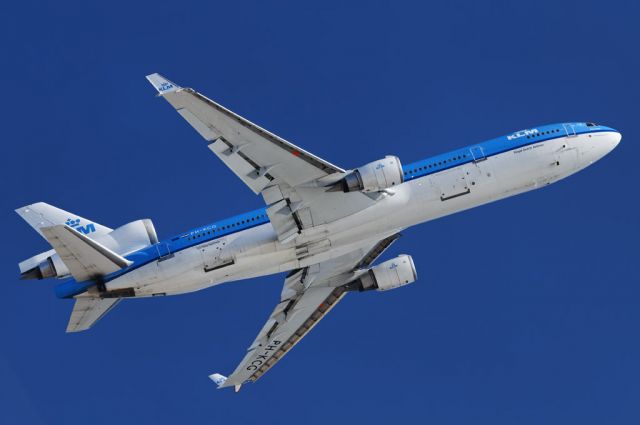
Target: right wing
292 181
88 310
307 296
85 258
258 150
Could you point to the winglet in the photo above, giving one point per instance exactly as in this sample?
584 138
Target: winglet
219 380
162 84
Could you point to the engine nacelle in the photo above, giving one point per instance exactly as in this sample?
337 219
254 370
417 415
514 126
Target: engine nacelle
391 274
130 237
51 266
375 176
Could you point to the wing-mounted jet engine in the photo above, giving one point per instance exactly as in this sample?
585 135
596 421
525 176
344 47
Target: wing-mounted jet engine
375 176
391 274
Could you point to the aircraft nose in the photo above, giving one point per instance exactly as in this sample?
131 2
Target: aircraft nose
601 144
615 139
612 140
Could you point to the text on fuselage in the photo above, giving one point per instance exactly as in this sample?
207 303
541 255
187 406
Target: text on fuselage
523 133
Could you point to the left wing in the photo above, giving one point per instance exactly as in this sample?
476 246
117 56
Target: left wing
307 296
292 181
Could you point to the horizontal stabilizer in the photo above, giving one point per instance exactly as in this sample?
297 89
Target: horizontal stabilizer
85 258
88 310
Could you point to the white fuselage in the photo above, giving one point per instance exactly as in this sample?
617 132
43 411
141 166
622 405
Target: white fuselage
257 252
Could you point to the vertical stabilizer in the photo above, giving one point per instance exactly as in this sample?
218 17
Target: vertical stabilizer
41 215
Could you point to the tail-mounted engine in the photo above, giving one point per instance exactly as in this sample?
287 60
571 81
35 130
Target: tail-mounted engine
373 177
124 240
51 266
391 274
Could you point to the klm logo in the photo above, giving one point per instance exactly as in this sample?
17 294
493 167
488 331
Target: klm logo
75 224
380 166
393 266
165 86
523 133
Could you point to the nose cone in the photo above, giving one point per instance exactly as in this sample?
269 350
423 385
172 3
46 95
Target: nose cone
602 144
616 136
611 140
598 144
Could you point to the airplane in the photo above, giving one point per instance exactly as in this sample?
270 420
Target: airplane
323 225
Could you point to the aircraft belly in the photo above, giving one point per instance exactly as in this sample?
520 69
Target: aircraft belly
257 252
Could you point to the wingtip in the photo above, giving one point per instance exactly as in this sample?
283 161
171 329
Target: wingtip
218 379
221 382
161 84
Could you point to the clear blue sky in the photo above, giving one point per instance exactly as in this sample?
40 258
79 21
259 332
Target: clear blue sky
526 310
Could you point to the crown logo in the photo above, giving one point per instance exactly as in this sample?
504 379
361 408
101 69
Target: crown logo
72 223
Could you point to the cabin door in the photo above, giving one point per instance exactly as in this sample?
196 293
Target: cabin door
570 130
477 153
164 251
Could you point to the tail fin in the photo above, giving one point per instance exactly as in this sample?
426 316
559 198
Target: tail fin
41 215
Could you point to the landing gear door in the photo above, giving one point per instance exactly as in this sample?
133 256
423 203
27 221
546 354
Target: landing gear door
451 183
213 255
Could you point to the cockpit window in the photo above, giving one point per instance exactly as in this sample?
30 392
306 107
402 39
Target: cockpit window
592 124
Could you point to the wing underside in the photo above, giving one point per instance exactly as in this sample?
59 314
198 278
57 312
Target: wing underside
292 181
295 186
307 296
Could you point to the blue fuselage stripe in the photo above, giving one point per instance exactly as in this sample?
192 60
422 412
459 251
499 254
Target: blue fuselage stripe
488 148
